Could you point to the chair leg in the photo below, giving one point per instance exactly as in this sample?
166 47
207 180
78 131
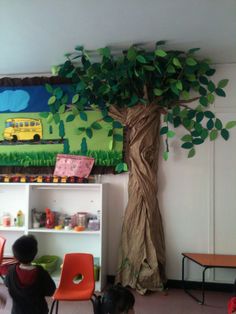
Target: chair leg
96 301
52 306
57 305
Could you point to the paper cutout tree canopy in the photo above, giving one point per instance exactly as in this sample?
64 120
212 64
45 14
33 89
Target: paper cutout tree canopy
139 88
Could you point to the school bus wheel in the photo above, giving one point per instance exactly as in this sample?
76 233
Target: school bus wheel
36 137
14 138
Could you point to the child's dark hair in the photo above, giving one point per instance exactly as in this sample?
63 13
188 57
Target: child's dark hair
25 248
117 299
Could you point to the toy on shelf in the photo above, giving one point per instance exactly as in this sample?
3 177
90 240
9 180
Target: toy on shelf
50 218
38 218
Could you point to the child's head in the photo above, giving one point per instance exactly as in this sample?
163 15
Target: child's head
117 299
25 248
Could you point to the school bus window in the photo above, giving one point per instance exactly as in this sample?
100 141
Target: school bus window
9 124
16 125
32 124
37 123
21 124
26 123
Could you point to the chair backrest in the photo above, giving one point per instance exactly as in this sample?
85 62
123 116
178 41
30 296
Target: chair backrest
74 265
2 245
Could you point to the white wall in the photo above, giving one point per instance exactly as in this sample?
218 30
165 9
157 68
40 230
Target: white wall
197 197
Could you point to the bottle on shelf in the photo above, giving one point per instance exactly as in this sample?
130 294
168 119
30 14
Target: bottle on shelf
20 218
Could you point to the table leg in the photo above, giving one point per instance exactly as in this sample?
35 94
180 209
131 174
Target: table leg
202 301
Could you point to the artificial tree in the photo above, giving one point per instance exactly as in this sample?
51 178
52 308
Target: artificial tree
149 91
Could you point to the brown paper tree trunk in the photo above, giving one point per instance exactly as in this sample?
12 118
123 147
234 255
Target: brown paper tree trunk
142 249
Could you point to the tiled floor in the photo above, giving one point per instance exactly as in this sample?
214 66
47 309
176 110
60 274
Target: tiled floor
176 301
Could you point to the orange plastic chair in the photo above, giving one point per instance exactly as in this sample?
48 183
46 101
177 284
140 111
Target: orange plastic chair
5 262
75 265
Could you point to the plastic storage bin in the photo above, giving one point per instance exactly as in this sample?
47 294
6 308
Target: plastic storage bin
48 262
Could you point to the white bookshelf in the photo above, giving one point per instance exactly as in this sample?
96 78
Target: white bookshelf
64 198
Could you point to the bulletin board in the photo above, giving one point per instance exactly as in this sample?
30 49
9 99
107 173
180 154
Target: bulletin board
29 139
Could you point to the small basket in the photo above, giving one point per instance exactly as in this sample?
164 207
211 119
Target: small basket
48 262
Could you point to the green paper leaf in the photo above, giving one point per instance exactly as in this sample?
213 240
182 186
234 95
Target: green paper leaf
89 132
225 134
209 114
75 110
186 138
118 137
191 153
96 126
210 72
75 98
44 114
149 68
110 132
204 134
117 125
49 88
213 134
108 119
192 50
121 167
185 94
170 134
187 145
211 86
52 100
170 69
165 155
230 124
218 124
203 101
50 117
179 85
160 53
220 92
105 52
70 118
202 91
199 116
79 48
210 124
83 116
158 92
211 98
131 54
62 109
222 83
141 59
191 61
163 130
203 80
198 141
177 63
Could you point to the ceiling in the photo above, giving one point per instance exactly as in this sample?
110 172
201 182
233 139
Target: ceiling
35 34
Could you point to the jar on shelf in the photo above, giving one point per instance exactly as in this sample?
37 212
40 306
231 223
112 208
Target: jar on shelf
82 219
6 220
94 225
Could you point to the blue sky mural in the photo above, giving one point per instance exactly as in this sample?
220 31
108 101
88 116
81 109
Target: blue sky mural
24 99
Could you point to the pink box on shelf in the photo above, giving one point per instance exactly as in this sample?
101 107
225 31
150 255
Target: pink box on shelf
73 165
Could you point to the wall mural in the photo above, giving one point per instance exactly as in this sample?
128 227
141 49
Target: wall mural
30 136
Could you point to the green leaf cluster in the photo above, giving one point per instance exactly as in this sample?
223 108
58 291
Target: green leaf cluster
134 76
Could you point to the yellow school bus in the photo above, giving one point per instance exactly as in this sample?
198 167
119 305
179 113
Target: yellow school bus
23 129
